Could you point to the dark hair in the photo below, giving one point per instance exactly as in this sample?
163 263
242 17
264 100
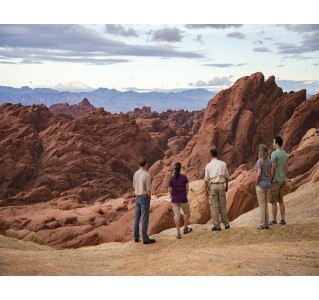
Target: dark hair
213 152
142 161
278 140
177 169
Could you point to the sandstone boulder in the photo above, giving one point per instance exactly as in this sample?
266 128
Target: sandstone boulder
25 235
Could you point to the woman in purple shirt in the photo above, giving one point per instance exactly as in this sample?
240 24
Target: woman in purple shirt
263 185
178 189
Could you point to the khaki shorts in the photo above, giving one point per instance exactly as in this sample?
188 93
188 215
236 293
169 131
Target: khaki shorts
176 209
277 192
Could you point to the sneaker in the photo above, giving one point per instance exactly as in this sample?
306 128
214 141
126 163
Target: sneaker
178 236
187 230
272 222
136 240
216 228
149 241
283 222
227 226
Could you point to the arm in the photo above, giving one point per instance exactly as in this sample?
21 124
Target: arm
170 190
149 186
206 187
134 185
273 170
258 175
226 178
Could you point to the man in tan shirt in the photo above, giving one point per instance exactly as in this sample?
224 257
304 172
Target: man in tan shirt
142 190
216 184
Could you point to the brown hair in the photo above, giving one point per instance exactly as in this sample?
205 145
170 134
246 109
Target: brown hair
142 161
213 152
177 169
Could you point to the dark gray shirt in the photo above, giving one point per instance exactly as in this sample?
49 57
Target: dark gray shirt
264 181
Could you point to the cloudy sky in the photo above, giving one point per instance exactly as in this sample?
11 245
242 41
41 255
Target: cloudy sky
146 57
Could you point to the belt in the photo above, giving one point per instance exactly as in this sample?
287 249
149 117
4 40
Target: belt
217 182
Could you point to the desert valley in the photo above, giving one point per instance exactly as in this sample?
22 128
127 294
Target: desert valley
66 198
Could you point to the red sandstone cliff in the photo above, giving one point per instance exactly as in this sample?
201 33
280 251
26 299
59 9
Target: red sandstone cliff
237 120
50 156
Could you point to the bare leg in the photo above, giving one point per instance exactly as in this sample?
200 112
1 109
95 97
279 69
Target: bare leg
282 210
178 226
274 211
186 218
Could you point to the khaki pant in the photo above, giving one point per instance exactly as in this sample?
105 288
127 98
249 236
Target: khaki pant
263 196
217 203
176 209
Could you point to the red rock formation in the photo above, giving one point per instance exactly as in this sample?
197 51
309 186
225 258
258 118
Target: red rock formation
237 120
76 110
305 116
86 157
183 122
303 163
20 145
65 223
59 175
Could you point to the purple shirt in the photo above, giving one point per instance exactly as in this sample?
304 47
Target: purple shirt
179 188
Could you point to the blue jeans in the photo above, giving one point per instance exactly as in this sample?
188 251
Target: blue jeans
142 208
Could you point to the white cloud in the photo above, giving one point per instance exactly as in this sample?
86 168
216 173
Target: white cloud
215 82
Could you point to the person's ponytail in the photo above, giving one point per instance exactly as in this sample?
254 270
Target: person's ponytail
177 169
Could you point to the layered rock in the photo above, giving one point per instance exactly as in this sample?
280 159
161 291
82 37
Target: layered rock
76 110
237 120
304 117
70 179
183 122
45 157
21 145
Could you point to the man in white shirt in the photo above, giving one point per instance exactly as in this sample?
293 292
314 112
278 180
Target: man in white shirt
216 184
142 190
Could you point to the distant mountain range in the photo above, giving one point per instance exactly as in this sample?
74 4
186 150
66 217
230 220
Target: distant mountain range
111 100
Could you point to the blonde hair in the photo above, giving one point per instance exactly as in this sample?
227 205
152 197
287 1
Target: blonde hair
263 152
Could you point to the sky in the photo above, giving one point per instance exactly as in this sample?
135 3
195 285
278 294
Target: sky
158 56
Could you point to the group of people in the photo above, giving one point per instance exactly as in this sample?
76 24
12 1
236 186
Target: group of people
270 178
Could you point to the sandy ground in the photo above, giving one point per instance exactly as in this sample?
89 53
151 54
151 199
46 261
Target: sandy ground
291 249
283 250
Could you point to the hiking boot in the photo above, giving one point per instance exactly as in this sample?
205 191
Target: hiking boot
149 241
187 230
263 227
216 229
